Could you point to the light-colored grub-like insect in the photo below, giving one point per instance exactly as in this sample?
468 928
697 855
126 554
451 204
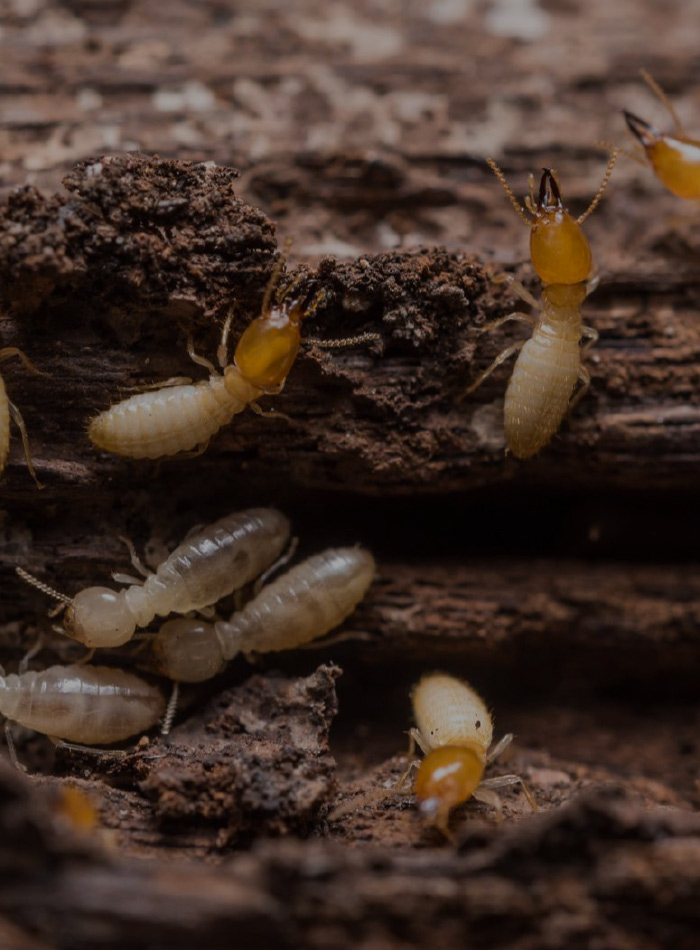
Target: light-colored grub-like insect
180 418
94 705
211 564
546 372
454 731
301 605
8 411
675 157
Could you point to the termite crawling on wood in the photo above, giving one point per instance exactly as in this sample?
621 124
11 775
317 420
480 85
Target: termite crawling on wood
674 157
211 564
454 729
301 605
93 705
547 370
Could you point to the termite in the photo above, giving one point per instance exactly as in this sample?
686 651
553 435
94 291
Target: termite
93 705
180 418
547 370
454 730
8 411
674 158
211 564
301 605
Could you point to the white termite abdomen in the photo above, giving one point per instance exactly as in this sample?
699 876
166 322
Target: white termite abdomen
171 420
449 712
88 704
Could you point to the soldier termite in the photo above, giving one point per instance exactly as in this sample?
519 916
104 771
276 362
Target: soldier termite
301 605
8 411
546 372
674 158
211 564
88 704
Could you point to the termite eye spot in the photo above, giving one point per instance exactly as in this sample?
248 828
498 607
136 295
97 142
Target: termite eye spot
477 724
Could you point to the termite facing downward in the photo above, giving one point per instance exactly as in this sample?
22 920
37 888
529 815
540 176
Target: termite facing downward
454 730
301 605
549 366
89 704
211 564
180 418
674 158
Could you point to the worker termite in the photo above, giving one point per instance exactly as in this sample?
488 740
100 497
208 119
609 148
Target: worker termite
301 605
454 730
8 411
546 372
211 564
674 158
94 705
179 418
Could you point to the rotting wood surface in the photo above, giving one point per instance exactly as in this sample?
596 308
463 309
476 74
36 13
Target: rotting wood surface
565 588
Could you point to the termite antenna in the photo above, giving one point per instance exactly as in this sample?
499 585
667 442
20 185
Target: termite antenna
275 276
171 709
44 588
603 185
517 207
608 147
661 96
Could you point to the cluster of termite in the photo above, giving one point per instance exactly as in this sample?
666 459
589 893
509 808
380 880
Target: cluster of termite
100 705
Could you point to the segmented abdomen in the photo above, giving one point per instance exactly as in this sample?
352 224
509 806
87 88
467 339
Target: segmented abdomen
156 424
449 712
88 704
218 560
539 392
306 602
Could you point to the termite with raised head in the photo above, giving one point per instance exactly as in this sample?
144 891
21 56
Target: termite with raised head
8 411
301 605
547 370
180 418
674 157
211 564
454 731
93 705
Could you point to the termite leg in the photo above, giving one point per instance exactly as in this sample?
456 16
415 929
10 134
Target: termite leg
516 315
504 781
501 358
11 750
591 335
414 739
518 288
222 349
585 379
163 384
499 748
9 351
662 97
90 750
273 568
30 654
269 413
135 559
19 422
199 360
344 637
488 797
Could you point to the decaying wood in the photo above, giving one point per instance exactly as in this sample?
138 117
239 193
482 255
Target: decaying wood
565 588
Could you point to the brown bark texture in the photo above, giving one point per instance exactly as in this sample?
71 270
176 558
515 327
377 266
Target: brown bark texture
155 161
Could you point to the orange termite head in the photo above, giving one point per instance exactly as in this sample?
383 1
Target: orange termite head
558 247
268 347
674 158
446 778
